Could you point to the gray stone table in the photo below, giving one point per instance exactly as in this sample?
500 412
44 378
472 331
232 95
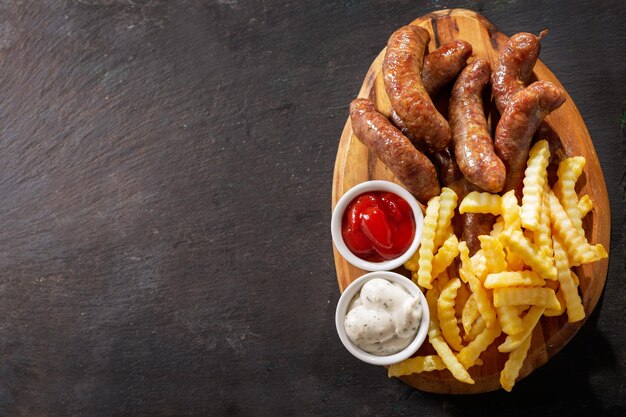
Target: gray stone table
165 192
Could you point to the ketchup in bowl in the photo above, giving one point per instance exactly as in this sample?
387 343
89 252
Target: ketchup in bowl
378 226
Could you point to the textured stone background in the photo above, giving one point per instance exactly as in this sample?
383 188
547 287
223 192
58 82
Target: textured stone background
165 184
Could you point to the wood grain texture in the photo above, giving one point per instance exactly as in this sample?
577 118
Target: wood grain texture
354 165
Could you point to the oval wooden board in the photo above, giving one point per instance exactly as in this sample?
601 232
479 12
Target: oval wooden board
355 165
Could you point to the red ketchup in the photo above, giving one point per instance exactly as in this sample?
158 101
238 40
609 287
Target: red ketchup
378 226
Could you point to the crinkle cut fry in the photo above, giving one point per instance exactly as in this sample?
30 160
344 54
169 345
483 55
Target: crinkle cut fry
424 276
513 365
446 313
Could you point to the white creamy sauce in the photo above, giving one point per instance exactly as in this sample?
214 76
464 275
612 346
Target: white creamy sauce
383 318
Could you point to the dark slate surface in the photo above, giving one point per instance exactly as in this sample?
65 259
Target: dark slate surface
165 182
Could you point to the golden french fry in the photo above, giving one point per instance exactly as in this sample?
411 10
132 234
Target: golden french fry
515 241
600 252
413 263
466 262
565 189
584 206
498 227
480 293
426 248
433 326
442 279
477 328
440 345
479 265
536 296
579 251
469 314
557 312
462 296
534 181
452 363
512 221
511 211
509 319
574 306
513 365
445 255
447 204
575 278
446 314
470 353
494 254
515 262
529 322
513 278
542 237
416 365
477 202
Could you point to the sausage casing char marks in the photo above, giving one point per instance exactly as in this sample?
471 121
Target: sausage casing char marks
440 69
515 65
443 65
409 165
402 68
518 123
473 147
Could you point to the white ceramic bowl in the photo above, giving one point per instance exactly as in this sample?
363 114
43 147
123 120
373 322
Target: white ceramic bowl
340 208
342 310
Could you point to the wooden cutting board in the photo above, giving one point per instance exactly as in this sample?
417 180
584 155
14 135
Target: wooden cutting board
354 165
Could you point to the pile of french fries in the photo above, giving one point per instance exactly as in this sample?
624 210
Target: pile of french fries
520 273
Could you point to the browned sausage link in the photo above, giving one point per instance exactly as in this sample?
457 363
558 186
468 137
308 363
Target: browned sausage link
519 122
515 65
443 65
474 225
449 173
411 167
473 147
403 82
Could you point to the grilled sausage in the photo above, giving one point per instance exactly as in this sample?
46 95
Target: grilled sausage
474 225
515 65
449 173
440 68
409 165
473 147
402 68
443 65
519 122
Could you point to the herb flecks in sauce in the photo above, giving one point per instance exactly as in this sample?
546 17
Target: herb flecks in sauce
400 312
